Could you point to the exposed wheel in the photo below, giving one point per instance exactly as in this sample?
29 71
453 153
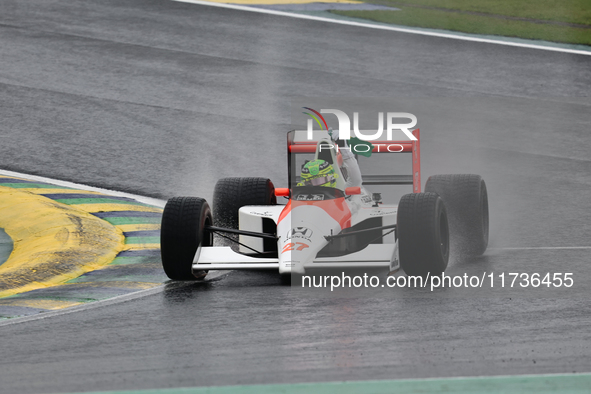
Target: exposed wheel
466 200
423 235
181 233
230 194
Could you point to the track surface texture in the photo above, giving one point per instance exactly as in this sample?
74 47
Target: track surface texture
162 98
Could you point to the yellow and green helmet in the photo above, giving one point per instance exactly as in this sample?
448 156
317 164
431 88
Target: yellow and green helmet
318 173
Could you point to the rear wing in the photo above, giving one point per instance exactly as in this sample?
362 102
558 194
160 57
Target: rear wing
297 145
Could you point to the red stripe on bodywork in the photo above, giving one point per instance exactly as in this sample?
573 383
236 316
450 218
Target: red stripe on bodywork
416 162
337 209
285 211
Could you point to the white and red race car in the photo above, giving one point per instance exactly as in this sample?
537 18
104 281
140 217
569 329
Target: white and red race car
327 227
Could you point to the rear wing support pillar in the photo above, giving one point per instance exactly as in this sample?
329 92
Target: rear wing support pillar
416 162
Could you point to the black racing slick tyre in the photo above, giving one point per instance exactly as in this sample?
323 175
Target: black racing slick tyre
466 200
423 234
181 233
231 194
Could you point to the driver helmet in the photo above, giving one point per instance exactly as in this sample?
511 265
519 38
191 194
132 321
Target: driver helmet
318 173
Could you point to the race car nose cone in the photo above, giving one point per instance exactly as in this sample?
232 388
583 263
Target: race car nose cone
292 267
303 234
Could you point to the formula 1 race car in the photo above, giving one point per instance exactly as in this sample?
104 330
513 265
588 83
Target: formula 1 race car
326 224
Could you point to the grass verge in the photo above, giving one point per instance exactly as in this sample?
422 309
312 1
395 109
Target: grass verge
566 21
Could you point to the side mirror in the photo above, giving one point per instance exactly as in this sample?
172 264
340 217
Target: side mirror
351 191
282 192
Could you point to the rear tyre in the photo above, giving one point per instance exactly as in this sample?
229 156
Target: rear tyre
466 200
423 235
181 233
231 194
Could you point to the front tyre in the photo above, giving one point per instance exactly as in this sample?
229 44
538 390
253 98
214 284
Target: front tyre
231 194
466 200
423 235
181 233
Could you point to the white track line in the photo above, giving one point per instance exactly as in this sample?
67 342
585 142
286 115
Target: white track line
145 200
110 301
389 28
530 375
84 307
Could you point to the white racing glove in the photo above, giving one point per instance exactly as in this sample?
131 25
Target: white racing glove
354 175
346 151
334 134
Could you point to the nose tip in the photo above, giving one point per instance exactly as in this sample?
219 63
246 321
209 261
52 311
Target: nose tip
298 268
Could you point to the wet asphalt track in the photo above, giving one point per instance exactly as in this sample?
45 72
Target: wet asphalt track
162 98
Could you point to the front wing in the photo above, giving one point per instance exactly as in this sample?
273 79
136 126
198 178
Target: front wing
224 258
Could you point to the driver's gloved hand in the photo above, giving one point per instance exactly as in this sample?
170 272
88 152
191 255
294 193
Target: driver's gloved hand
334 134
